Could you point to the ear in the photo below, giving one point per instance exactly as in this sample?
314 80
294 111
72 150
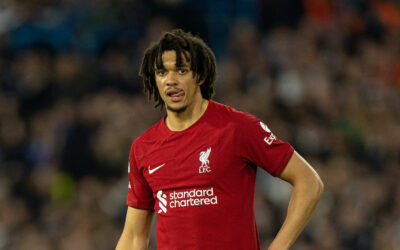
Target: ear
198 81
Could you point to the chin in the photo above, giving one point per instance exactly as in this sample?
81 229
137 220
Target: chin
177 109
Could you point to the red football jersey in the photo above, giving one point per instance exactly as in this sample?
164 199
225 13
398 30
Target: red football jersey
200 181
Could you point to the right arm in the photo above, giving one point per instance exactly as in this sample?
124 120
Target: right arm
135 235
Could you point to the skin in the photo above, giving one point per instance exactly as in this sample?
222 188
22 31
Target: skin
184 107
135 235
307 191
189 106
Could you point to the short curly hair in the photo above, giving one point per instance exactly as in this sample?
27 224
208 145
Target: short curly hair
195 51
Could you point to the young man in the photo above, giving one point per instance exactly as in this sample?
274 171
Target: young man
196 168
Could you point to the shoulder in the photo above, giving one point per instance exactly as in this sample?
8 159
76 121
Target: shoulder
153 133
231 115
149 137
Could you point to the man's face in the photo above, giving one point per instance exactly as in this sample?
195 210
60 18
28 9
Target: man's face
176 84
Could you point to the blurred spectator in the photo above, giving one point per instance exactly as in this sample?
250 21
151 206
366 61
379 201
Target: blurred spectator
324 75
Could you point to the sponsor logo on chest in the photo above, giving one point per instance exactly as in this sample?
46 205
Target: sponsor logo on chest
189 198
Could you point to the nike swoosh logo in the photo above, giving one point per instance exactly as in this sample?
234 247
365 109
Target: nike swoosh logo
155 169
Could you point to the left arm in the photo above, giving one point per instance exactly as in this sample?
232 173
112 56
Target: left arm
307 190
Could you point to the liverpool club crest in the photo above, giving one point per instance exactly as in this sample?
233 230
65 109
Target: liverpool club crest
204 168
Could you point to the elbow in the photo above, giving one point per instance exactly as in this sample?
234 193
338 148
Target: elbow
318 187
313 187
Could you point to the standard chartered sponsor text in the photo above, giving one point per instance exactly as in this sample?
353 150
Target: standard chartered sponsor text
194 197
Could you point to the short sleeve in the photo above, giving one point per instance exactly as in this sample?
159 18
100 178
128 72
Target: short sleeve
139 194
261 147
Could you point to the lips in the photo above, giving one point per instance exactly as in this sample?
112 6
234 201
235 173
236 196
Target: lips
175 95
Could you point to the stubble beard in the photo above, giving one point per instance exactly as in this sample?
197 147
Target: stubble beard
177 110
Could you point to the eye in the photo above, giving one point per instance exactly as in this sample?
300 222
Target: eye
161 72
182 71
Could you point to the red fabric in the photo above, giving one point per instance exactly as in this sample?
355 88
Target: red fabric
201 180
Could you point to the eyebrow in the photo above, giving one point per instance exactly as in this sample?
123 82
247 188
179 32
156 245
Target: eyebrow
182 65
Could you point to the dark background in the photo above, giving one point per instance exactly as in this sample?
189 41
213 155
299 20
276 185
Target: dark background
323 74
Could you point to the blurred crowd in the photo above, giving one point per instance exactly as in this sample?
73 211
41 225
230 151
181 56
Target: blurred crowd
324 75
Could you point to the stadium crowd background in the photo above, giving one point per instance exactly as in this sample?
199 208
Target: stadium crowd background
324 75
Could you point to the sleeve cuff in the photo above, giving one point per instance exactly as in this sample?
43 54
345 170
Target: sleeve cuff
141 205
285 161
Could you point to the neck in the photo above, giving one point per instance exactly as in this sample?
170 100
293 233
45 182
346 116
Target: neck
180 121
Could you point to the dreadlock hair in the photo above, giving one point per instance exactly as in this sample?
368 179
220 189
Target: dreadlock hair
195 51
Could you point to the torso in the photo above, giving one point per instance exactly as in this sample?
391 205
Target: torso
202 182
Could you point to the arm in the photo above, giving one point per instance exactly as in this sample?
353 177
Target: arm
135 235
307 190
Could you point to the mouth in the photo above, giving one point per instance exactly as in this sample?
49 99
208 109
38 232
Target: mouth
176 95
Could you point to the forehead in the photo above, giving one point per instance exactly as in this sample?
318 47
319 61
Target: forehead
169 58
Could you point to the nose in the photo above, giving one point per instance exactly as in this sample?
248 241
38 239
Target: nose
171 79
